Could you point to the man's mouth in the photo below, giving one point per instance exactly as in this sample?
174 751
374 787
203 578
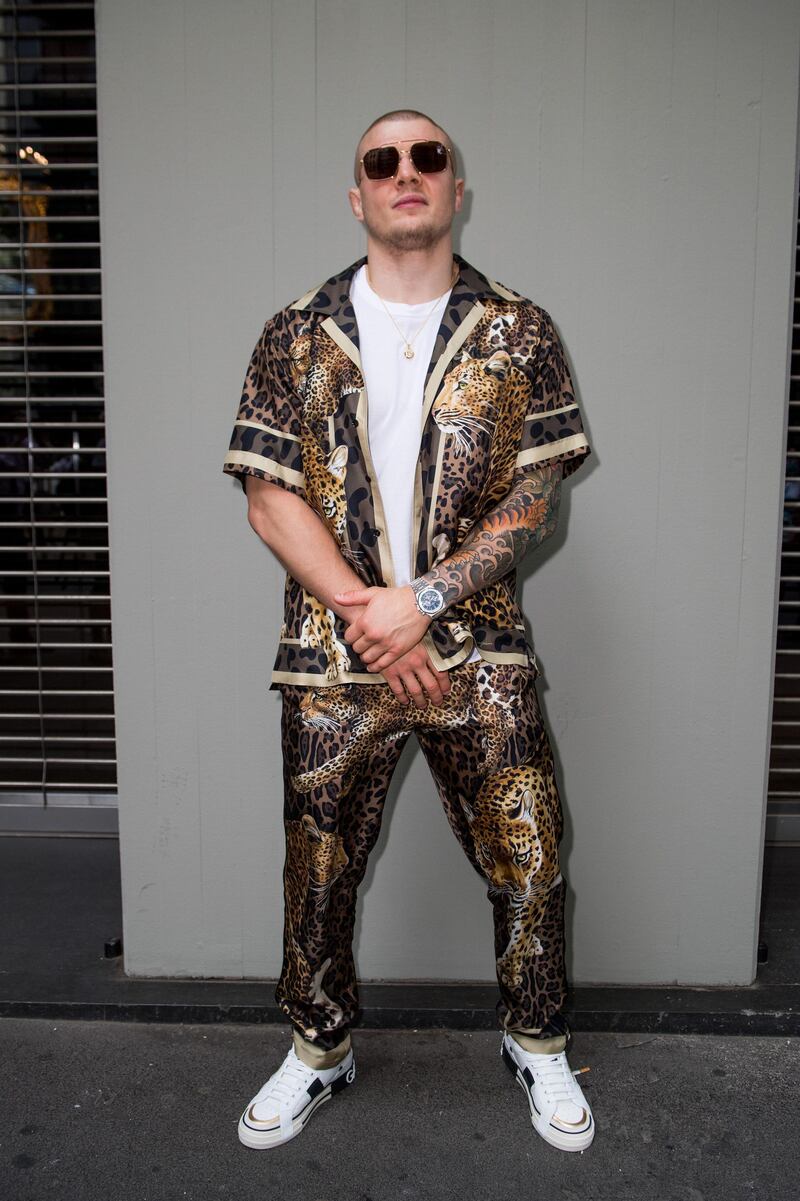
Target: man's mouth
409 202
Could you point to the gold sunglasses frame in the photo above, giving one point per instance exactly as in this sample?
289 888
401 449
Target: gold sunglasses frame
407 153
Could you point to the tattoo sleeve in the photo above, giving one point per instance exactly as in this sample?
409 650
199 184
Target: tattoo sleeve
522 519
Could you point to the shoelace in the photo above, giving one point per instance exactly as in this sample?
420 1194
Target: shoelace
557 1079
283 1089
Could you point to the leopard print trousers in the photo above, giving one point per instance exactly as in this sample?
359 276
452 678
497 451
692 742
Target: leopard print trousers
491 761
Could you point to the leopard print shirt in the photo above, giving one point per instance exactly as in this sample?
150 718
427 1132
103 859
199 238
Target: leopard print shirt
498 402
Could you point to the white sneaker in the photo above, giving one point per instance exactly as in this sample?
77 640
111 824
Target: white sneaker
559 1110
282 1107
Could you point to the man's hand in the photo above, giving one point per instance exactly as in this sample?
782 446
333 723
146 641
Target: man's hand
389 626
413 677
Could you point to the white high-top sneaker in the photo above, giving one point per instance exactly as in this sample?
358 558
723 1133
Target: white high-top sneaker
281 1108
559 1110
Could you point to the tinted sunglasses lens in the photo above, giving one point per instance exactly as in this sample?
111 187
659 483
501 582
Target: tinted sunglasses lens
429 157
382 162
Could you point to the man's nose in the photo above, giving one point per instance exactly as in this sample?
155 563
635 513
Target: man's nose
406 171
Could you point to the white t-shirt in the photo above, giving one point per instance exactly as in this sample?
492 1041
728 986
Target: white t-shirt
394 387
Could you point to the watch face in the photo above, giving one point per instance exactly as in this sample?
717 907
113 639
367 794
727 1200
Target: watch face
430 600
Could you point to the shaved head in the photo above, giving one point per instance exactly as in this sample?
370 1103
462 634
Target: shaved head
404 114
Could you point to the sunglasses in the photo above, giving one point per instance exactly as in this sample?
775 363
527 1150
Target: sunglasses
383 161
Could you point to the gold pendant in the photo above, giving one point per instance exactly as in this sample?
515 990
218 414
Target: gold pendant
409 352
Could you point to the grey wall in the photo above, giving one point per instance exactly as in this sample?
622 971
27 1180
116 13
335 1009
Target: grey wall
631 167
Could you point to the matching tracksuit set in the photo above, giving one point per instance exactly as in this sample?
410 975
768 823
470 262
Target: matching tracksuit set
497 403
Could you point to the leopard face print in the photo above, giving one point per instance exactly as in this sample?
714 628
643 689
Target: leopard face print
514 822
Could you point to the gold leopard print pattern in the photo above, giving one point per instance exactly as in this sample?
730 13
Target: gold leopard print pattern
314 860
490 759
481 400
385 718
478 411
325 476
513 822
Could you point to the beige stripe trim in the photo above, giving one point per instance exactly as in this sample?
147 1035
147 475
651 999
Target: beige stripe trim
437 479
540 454
504 292
268 429
384 550
551 412
416 515
502 656
349 347
457 658
456 342
305 679
465 650
246 458
302 303
344 677
436 659
437 375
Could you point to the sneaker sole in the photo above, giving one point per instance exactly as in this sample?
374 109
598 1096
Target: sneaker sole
261 1140
551 1134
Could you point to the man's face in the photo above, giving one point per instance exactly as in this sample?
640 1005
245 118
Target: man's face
413 210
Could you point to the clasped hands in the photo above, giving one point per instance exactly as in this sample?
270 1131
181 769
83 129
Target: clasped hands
386 632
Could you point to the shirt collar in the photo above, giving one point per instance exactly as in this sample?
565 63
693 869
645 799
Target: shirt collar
332 298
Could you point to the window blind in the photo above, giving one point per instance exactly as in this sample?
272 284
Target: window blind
783 798
56 683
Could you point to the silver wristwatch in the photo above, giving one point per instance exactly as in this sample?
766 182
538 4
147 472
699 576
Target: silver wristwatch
429 600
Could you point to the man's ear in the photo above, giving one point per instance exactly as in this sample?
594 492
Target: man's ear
354 196
459 197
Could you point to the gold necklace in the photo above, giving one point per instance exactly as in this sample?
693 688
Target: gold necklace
408 349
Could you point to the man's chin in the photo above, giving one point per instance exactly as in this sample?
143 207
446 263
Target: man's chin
418 236
416 239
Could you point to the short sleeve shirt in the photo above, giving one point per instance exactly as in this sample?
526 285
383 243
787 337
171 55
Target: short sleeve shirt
498 403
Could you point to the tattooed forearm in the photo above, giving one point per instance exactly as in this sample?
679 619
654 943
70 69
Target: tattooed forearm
522 519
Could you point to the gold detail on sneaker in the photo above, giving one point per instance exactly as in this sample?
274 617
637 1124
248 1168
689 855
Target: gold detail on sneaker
252 1117
581 1120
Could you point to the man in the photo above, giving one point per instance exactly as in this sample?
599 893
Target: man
402 437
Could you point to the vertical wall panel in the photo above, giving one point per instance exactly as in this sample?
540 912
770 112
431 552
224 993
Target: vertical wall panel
293 169
187 258
228 251
669 394
630 166
360 72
